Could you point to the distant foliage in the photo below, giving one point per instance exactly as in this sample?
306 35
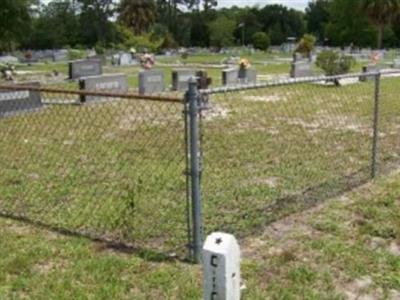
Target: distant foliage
334 63
306 45
74 54
221 32
261 41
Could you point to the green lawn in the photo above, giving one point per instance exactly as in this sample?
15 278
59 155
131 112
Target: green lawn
116 168
348 247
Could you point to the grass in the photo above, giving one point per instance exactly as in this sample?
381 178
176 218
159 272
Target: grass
346 247
116 168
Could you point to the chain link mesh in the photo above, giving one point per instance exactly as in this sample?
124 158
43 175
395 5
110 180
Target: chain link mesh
280 147
113 167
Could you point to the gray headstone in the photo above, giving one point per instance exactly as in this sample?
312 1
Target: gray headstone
14 101
369 69
348 81
111 83
301 68
248 75
84 68
60 55
396 63
230 76
125 59
8 59
151 81
180 79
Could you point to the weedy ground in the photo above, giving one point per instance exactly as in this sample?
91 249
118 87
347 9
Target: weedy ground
116 168
347 248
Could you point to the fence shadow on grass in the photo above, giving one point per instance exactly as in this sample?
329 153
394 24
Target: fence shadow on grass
103 242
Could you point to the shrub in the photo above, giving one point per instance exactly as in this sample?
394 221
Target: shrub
306 45
74 54
261 40
334 63
100 49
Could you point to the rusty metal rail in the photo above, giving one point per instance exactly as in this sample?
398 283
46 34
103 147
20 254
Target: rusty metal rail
162 98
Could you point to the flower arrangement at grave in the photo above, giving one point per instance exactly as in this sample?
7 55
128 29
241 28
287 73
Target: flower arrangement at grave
147 61
375 57
244 63
7 72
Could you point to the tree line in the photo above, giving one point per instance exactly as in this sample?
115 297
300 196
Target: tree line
157 24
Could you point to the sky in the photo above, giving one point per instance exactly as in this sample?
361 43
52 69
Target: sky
298 4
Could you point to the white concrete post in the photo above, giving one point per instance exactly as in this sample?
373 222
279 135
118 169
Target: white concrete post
221 267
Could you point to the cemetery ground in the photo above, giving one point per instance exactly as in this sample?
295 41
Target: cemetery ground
344 248
260 148
267 65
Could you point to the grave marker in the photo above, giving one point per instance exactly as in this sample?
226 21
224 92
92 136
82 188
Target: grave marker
180 79
230 76
221 266
112 83
368 69
13 101
301 68
151 81
248 75
85 68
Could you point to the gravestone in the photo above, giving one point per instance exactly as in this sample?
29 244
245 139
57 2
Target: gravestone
151 81
221 267
368 69
180 79
111 83
60 55
347 81
14 101
396 63
301 68
248 75
230 76
8 59
203 81
85 68
125 59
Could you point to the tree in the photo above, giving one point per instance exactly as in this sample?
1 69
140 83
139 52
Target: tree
347 27
95 21
221 32
15 20
261 40
306 45
251 25
317 16
56 26
209 4
139 15
380 13
334 63
281 22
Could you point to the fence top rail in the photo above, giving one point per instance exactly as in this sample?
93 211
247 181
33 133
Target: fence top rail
160 98
289 81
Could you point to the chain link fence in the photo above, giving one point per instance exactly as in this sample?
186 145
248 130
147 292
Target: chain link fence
112 168
275 148
134 169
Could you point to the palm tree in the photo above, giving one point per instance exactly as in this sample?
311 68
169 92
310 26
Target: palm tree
139 15
380 13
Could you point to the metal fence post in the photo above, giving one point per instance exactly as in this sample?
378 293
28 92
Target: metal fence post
192 100
375 138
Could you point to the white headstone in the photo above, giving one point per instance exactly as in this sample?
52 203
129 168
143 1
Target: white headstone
221 266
